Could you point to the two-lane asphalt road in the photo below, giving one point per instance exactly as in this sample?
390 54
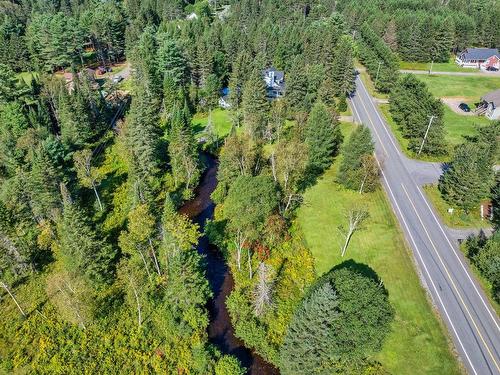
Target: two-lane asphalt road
473 324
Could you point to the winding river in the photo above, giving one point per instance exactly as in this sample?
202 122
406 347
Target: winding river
220 330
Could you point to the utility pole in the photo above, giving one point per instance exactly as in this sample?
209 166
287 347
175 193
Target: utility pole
378 71
426 133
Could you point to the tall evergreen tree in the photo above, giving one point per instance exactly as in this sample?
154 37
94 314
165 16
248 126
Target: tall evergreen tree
353 173
322 135
183 151
142 135
342 321
343 67
255 105
81 250
412 107
469 178
297 87
76 128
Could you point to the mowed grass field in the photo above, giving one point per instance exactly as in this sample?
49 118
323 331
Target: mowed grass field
457 127
418 343
220 120
471 87
449 66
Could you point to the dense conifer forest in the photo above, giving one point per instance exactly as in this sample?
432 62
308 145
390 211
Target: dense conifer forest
100 271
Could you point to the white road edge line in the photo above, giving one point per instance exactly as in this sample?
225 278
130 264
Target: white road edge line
417 250
433 215
378 115
452 281
425 268
376 133
459 260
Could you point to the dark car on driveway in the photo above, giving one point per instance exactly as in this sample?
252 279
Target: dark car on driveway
464 107
492 69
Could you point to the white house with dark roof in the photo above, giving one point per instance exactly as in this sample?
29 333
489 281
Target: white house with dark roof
479 58
275 82
490 105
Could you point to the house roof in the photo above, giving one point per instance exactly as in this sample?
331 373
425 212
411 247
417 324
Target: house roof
492 97
479 53
278 75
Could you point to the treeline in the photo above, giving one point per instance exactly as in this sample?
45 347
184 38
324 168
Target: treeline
46 37
97 262
484 253
471 176
428 30
419 116
381 63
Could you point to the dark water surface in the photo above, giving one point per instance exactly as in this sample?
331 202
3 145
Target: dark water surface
220 330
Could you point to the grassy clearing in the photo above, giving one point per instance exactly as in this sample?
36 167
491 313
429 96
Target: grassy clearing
470 87
450 66
458 219
220 119
417 343
457 127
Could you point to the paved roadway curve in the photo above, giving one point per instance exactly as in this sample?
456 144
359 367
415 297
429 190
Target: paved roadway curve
473 325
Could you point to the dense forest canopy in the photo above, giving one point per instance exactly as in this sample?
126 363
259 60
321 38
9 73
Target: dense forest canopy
99 270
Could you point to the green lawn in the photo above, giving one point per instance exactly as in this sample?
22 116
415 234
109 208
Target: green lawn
436 67
459 126
458 219
220 119
417 343
470 87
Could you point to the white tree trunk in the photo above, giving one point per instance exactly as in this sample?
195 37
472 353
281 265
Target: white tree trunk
157 265
250 273
139 315
7 289
97 196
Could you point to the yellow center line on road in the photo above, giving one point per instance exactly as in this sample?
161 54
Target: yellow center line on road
411 236
452 281
425 267
488 309
373 125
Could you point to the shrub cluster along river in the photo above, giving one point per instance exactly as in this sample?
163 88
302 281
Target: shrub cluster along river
220 330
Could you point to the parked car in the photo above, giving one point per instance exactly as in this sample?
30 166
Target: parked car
492 69
464 107
117 79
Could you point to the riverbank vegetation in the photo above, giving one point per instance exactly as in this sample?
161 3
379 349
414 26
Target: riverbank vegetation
98 269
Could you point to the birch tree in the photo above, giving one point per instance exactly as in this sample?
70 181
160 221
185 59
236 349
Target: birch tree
88 176
355 218
8 290
262 294
139 239
250 201
289 163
